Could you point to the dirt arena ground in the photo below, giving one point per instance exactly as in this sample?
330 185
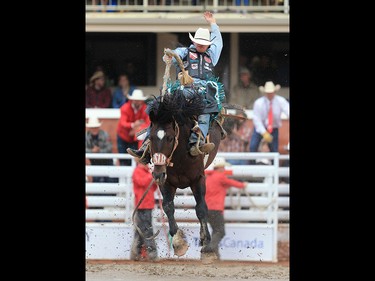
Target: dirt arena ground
186 270
190 270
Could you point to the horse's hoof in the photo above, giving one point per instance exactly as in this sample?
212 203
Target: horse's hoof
180 246
208 258
181 249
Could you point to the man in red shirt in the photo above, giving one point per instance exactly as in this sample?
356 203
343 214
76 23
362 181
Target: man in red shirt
217 184
142 178
133 117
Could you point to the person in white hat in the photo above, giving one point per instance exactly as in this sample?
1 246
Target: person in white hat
267 113
98 141
199 60
133 117
217 185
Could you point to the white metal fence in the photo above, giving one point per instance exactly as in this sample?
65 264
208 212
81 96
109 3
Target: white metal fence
252 215
188 5
115 201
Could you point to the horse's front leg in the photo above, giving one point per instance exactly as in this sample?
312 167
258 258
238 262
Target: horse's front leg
179 242
168 193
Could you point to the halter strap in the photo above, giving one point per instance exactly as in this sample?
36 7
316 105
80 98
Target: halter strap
177 130
160 158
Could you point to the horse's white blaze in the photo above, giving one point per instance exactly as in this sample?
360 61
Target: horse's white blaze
161 134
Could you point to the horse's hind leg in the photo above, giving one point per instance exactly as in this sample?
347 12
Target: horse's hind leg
201 210
208 253
180 246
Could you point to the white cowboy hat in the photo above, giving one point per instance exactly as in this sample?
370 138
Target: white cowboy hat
269 87
201 37
93 122
220 162
137 95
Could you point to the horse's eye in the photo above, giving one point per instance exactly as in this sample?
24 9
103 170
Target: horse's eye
170 138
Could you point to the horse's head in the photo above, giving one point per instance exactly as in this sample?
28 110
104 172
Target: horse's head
164 140
168 114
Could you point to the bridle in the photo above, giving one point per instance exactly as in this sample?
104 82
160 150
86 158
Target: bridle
159 158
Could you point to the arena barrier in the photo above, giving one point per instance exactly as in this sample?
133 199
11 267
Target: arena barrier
251 214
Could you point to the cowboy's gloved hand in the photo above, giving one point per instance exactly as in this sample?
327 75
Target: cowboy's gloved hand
167 59
267 137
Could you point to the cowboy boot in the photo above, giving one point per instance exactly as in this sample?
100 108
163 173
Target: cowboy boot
203 147
152 252
142 153
135 251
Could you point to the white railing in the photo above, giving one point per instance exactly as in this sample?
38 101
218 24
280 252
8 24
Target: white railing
186 6
250 204
114 113
251 212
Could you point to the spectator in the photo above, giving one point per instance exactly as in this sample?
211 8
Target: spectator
108 81
246 91
98 141
267 117
217 184
239 3
122 91
97 94
199 60
245 2
238 137
102 3
142 178
132 116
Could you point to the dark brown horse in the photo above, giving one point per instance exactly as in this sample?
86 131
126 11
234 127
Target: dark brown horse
171 121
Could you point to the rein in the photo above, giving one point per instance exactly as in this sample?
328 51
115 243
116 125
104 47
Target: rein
247 194
135 211
177 130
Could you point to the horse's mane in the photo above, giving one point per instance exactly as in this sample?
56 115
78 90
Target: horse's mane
175 106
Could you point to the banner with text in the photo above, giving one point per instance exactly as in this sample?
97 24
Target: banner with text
247 243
